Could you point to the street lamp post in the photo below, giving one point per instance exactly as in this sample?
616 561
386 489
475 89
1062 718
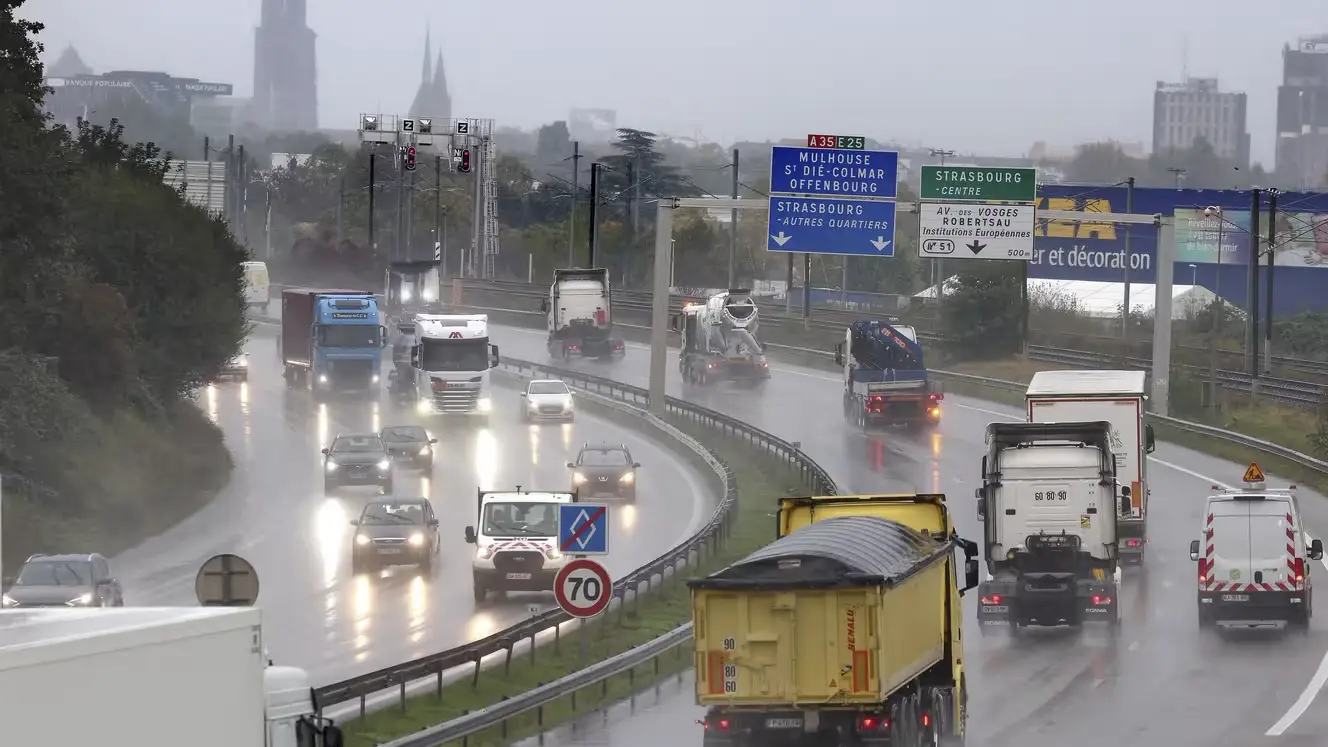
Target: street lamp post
937 268
1215 308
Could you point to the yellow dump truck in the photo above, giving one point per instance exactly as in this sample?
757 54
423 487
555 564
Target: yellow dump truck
846 630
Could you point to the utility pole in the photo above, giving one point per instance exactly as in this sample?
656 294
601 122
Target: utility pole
1215 309
341 207
410 218
733 222
401 207
576 195
594 218
629 195
1125 309
244 198
373 245
440 250
1252 338
635 183
1268 307
937 267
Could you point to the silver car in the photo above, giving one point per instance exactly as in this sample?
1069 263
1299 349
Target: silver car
547 399
82 580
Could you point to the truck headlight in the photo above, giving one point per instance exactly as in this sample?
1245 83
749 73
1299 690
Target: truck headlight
81 600
485 404
375 378
423 407
361 539
416 539
331 465
628 478
322 378
384 465
8 601
553 553
578 478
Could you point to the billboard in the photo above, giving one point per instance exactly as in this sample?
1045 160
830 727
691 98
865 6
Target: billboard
1096 251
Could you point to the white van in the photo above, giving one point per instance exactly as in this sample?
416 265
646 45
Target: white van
516 541
1254 566
257 290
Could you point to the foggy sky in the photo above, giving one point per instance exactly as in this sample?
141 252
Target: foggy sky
977 77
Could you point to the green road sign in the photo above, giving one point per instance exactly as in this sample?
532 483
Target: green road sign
979 183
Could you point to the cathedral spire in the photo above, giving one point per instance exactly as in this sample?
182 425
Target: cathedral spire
428 53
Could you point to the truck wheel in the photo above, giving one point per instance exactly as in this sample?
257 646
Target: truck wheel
1205 618
481 593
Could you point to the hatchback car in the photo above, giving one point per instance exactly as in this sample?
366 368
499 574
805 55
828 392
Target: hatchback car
409 444
82 580
395 532
547 399
359 459
604 470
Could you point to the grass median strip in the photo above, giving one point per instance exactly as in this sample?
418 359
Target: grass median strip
761 480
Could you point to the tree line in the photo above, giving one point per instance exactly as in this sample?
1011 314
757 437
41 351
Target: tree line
121 299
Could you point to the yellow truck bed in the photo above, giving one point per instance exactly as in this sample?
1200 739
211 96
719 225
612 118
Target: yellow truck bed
842 610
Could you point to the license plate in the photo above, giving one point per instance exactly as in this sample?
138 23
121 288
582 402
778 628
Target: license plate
1235 597
783 723
995 609
518 577
389 550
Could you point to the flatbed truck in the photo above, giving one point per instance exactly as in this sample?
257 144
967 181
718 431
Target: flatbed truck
885 378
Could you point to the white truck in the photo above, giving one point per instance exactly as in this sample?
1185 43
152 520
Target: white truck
1048 508
151 677
1117 397
516 541
451 359
580 317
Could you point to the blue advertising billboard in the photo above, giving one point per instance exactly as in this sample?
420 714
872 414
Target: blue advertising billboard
1096 251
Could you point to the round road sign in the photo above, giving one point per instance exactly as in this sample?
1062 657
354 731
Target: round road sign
226 581
583 588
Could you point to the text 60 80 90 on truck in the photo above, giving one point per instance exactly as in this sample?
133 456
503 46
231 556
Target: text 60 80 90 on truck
844 631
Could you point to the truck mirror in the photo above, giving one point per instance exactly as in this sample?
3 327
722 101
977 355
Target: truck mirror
414 356
470 535
970 573
1194 549
839 354
493 356
544 305
382 336
982 505
332 736
1150 441
1316 550
1125 505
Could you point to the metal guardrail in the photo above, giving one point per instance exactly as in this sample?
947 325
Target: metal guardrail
709 536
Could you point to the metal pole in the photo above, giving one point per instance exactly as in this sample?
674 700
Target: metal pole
733 223
1217 312
267 226
659 315
207 148
232 175
341 205
594 215
576 195
1125 309
806 290
1268 300
244 199
1166 258
1252 346
788 290
401 211
410 218
474 258
843 281
440 249
373 246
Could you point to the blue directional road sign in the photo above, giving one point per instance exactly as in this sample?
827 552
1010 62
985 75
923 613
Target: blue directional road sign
834 173
583 528
821 225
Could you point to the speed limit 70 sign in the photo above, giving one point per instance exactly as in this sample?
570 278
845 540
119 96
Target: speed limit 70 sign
583 588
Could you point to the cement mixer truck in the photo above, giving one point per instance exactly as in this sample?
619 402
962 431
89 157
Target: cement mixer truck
719 340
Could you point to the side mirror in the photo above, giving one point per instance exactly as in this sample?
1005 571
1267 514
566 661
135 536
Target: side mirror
544 305
1194 549
433 522
971 577
1150 441
1316 550
571 465
354 522
414 356
636 465
523 394
433 440
324 451
493 356
982 505
470 535
1125 504
332 736
839 354
382 336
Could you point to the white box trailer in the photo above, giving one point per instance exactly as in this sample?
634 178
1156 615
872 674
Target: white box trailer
145 677
1117 397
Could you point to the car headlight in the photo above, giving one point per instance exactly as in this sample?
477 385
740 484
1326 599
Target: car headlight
361 539
531 404
375 378
484 552
416 539
331 465
578 478
242 362
81 600
384 465
567 403
628 478
322 378
424 450
8 601
485 404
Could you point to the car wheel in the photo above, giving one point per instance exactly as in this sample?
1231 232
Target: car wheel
426 565
481 593
356 566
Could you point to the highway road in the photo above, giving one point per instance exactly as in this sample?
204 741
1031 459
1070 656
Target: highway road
316 614
1159 683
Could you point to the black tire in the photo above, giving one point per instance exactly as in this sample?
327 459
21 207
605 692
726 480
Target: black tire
426 565
481 593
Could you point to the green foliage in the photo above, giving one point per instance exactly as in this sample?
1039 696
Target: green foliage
1304 335
982 311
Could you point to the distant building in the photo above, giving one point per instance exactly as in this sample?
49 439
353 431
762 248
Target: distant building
432 99
75 96
1186 112
1302 113
285 69
592 125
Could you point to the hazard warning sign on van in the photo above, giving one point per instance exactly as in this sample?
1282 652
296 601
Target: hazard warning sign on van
1253 473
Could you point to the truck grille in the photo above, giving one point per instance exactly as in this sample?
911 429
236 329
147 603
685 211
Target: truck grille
518 561
456 400
350 373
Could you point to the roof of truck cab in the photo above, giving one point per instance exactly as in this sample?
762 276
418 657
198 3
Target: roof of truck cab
512 496
868 546
1087 383
47 634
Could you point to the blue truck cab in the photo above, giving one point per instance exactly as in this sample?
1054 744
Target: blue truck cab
885 377
332 340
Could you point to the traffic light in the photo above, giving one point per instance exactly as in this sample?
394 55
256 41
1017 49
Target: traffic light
410 158
465 161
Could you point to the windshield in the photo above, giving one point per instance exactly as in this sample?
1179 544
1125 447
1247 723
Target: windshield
381 514
352 444
405 433
454 355
56 573
604 458
348 335
520 520
547 387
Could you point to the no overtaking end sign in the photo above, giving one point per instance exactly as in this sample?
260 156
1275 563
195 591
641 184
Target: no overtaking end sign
583 588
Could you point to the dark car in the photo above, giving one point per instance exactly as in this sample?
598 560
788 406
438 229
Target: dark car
409 444
604 470
395 532
82 580
359 459
235 368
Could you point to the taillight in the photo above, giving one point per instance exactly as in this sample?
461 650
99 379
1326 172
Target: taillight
1300 570
873 723
992 599
926 720
1134 543
1100 601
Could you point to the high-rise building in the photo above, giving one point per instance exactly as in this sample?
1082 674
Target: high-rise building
1302 113
1196 109
285 69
